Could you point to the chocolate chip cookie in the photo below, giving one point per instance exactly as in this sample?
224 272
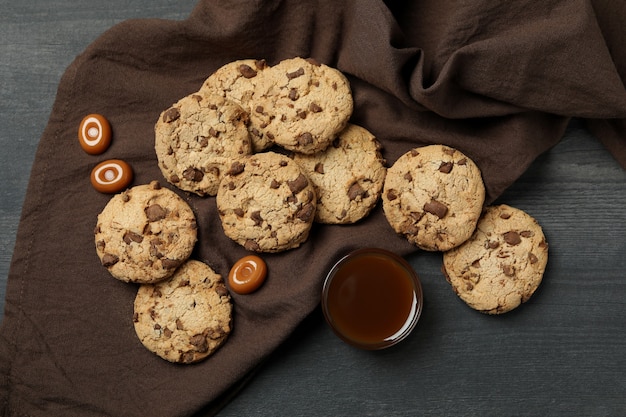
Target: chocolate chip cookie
144 233
197 139
186 318
236 81
266 203
434 196
502 264
301 105
348 176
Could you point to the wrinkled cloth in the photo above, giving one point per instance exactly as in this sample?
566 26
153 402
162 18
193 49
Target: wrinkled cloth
499 81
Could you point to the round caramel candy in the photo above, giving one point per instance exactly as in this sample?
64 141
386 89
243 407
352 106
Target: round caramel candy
111 176
94 134
247 274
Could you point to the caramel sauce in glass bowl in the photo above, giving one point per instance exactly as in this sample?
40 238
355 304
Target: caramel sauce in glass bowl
372 298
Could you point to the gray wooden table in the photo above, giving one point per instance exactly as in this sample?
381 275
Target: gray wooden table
561 354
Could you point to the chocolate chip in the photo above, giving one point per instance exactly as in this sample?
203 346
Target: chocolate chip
526 234
315 108
259 109
186 357
251 245
203 141
462 161
155 213
298 73
125 197
306 212
247 71
319 168
236 168
154 248
101 245
174 179
449 151
171 115
193 174
313 61
170 263
355 191
274 185
109 260
508 270
221 290
256 217
532 258
200 343
492 244
167 333
512 238
416 216
437 208
391 195
305 139
213 132
260 64
446 167
239 212
130 237
410 229
505 216
298 184
179 325
408 177
293 94
155 185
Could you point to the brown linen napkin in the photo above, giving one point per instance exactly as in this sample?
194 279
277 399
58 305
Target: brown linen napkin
498 82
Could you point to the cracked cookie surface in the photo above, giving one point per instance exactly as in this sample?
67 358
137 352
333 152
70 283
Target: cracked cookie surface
266 203
301 105
433 196
236 81
144 233
198 138
186 318
348 176
502 264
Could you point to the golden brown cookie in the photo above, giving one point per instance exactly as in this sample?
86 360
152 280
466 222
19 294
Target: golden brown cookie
266 203
301 105
502 264
186 318
145 233
348 176
236 81
197 139
434 196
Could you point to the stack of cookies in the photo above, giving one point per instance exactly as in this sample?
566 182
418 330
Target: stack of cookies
274 145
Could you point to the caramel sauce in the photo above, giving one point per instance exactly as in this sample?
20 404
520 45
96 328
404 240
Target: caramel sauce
371 299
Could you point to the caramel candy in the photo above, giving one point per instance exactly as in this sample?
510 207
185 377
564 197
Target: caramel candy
247 274
111 176
94 134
